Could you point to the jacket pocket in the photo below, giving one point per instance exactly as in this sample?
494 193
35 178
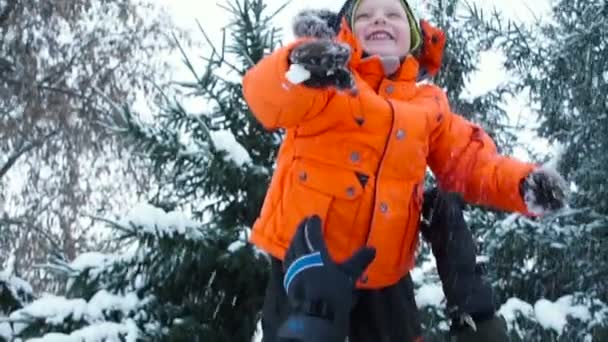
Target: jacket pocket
316 189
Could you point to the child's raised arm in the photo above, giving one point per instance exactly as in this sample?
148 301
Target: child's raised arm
278 103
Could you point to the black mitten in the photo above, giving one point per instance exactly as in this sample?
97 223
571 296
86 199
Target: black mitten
327 62
544 190
319 290
469 297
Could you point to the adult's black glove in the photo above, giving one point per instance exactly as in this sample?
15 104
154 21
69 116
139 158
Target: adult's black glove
319 290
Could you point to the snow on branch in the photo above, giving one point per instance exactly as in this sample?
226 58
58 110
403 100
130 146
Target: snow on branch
104 331
555 315
56 310
148 219
224 140
19 289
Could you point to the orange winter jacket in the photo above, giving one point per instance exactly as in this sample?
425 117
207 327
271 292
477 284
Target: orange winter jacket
359 161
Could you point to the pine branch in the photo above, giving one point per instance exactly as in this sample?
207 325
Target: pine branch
24 149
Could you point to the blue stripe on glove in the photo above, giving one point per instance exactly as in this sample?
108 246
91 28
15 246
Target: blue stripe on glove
304 262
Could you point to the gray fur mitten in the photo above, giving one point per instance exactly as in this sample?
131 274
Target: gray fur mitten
544 190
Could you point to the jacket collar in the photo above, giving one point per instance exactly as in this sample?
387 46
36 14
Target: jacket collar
371 69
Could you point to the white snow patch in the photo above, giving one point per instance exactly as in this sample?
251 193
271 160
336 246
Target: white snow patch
6 332
156 221
514 307
55 310
482 259
103 301
257 336
429 295
550 315
101 332
553 315
509 221
443 326
14 284
92 260
297 74
236 245
241 241
529 264
224 140
427 266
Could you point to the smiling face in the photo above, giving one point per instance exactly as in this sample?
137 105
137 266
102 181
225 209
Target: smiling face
382 27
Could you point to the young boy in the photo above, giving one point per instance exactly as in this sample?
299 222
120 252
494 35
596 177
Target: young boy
360 133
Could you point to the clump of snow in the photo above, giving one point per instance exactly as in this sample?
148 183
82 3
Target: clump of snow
430 295
105 301
509 221
92 260
482 259
428 290
156 221
553 315
515 307
18 287
52 309
241 241
297 74
529 264
224 140
257 336
101 332
419 273
16 284
236 245
6 332
55 309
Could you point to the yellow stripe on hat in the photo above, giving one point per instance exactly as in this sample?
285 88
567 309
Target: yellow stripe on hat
415 33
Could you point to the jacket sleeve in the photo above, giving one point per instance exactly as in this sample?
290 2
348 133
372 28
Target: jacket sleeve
276 102
465 160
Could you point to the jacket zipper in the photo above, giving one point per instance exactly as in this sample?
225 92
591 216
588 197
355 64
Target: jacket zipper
388 140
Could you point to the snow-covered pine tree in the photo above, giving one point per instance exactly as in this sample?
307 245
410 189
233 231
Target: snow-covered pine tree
190 277
558 265
215 163
57 164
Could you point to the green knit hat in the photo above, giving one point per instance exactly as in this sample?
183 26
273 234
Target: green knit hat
351 6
